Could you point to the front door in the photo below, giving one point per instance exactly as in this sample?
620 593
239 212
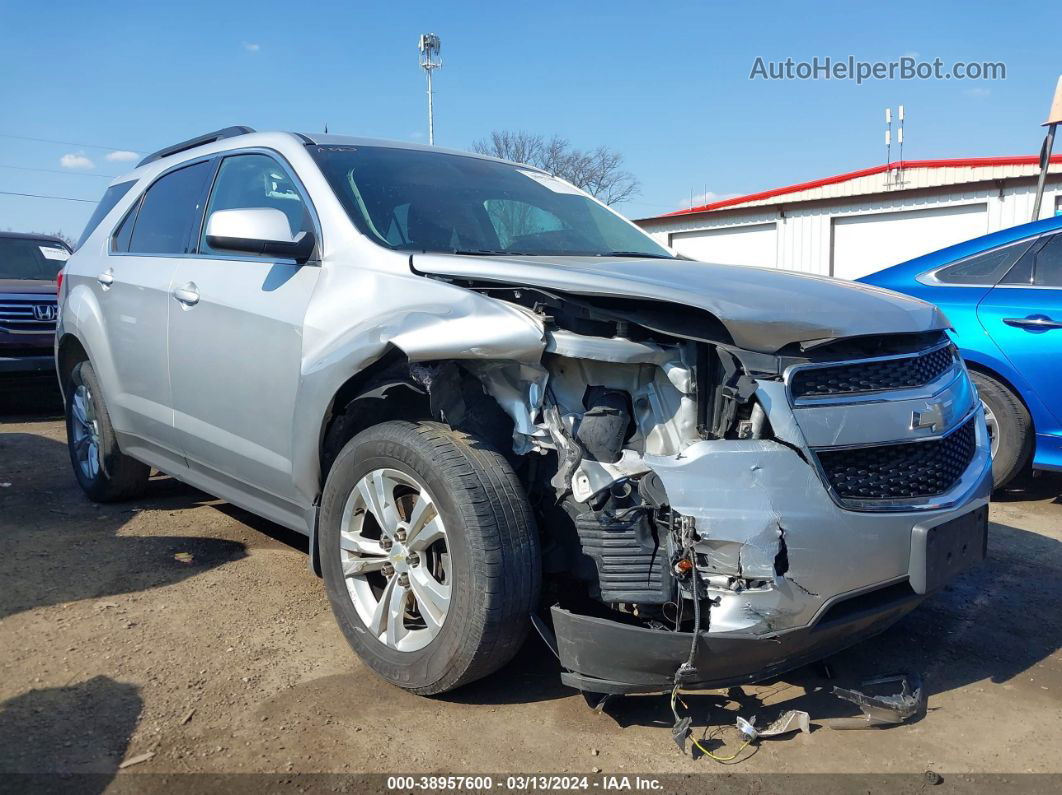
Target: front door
236 344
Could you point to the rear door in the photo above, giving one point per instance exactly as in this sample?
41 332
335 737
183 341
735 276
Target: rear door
133 289
236 341
1023 315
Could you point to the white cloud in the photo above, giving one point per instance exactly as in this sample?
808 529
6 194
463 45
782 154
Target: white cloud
76 160
416 136
979 92
250 46
121 156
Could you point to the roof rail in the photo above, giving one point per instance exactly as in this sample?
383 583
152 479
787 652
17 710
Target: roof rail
192 143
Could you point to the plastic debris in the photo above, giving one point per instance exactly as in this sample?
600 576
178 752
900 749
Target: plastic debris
888 709
136 760
791 721
184 557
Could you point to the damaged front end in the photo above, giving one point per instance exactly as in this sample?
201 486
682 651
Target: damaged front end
712 515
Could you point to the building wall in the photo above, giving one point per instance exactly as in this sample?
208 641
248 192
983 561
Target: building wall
805 236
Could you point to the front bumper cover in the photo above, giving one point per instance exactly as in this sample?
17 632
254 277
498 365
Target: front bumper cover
603 656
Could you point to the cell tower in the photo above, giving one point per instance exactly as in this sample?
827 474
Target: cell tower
430 61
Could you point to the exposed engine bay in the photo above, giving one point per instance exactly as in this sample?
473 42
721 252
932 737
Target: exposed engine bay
674 487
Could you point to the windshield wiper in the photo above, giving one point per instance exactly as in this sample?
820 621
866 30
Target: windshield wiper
639 254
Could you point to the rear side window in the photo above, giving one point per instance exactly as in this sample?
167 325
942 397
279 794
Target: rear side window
168 211
1047 269
986 268
124 232
1041 267
110 198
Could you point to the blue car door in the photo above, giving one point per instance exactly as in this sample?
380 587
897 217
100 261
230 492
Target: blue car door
1023 315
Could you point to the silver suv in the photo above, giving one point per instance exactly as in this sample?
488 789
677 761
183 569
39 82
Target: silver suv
491 401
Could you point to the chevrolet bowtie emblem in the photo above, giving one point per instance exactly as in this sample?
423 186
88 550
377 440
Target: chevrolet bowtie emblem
932 417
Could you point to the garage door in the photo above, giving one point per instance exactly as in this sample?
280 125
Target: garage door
865 244
738 245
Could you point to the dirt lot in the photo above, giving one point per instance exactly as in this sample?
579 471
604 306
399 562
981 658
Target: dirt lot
181 626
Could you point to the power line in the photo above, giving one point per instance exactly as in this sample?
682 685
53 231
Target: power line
42 196
59 171
67 143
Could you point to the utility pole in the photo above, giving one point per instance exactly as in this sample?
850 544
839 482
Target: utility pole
429 47
1054 118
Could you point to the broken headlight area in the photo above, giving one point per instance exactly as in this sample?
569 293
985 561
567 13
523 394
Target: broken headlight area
688 532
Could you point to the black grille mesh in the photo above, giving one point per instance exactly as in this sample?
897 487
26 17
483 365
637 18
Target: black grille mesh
897 471
873 376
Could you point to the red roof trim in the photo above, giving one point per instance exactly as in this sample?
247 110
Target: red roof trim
969 162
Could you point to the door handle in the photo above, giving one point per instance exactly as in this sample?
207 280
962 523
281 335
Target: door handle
106 279
1039 322
187 295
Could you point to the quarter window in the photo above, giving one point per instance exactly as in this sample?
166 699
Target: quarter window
110 198
252 181
169 210
986 268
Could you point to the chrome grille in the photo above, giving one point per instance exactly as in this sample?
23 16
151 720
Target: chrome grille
18 314
873 376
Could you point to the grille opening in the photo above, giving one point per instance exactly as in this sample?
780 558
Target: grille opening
898 471
856 377
871 601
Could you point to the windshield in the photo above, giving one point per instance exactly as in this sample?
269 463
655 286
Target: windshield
414 200
31 258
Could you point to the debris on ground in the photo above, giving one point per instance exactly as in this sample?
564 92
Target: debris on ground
136 760
791 721
888 709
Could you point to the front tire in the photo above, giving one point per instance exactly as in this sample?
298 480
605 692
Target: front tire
1009 428
102 470
429 554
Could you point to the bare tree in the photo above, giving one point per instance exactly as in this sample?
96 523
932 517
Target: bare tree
598 171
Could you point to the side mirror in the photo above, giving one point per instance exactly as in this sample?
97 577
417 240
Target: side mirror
258 230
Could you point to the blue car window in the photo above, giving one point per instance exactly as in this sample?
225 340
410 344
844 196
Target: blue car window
1047 270
986 268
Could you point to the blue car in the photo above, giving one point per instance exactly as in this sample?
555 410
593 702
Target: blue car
1003 295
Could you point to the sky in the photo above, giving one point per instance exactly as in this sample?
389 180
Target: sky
666 84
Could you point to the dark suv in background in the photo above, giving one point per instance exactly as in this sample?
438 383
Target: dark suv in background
29 267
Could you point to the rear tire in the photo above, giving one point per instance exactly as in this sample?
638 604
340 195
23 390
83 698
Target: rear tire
102 470
1010 428
454 604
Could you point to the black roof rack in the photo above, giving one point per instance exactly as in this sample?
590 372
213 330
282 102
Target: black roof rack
192 143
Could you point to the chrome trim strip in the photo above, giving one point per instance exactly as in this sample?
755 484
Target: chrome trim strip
853 397
955 426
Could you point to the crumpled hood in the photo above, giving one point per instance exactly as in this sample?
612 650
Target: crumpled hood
764 309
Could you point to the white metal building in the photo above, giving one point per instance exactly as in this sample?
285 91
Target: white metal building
854 224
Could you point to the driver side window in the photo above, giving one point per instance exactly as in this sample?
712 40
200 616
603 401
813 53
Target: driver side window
252 181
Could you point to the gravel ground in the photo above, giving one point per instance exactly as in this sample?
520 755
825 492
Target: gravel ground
186 629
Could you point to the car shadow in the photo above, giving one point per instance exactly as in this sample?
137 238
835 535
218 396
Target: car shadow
1032 486
70 738
60 547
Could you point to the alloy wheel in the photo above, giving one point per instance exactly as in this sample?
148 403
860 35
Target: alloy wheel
395 559
86 432
993 429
